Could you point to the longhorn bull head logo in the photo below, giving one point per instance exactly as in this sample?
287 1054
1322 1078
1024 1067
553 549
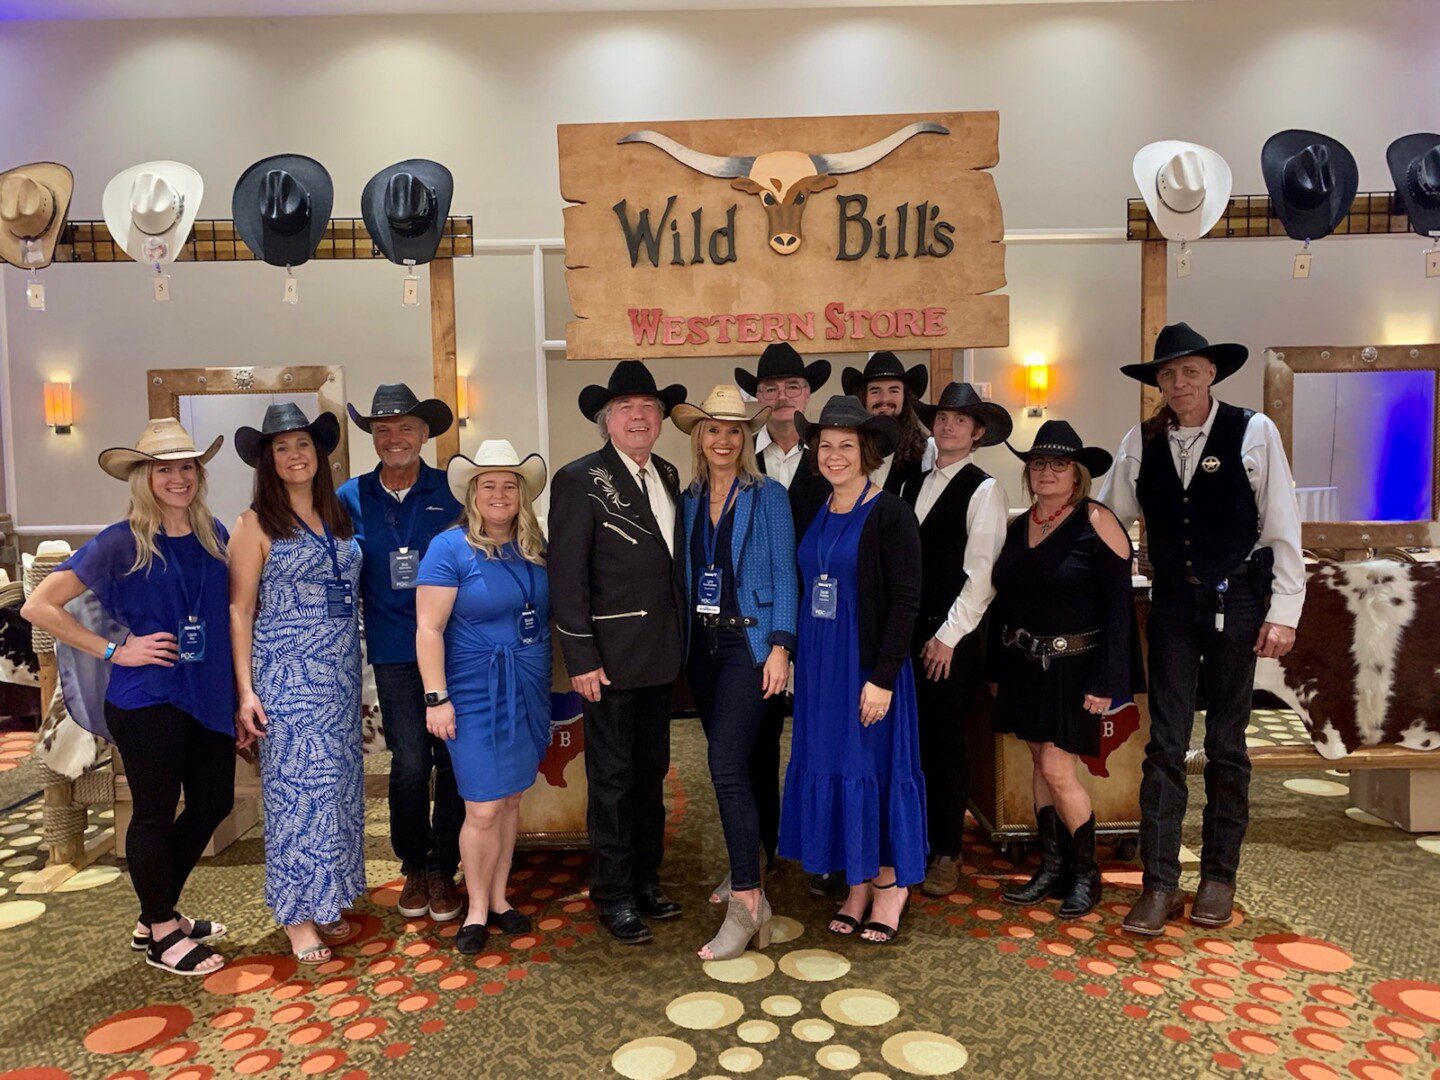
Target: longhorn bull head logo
784 179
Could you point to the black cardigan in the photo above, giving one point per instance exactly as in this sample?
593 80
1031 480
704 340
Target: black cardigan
888 565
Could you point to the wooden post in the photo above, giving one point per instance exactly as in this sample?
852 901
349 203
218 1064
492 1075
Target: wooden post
442 350
942 371
1154 299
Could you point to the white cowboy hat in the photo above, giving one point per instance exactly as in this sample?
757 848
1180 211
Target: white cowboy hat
1186 187
150 208
724 402
162 440
495 455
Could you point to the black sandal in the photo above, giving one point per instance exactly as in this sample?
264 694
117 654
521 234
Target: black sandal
472 938
510 922
845 920
187 964
889 932
201 931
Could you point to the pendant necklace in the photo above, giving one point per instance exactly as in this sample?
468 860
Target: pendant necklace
1046 523
1185 449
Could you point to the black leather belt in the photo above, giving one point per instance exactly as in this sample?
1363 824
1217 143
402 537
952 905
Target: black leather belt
1044 649
727 622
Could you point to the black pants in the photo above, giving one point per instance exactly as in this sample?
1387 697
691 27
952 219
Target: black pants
167 752
627 754
765 771
1182 635
728 692
424 845
945 709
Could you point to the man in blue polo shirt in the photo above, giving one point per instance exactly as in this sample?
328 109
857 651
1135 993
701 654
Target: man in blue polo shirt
397 510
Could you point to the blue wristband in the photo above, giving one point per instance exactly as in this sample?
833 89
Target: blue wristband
110 651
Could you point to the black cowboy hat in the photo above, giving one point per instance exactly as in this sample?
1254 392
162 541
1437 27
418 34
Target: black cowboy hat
281 208
961 397
1056 438
397 399
1415 167
1177 340
282 418
781 361
405 207
845 411
1312 180
629 377
884 365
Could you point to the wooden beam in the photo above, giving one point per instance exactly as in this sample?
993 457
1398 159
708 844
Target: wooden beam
1372 757
942 371
1154 304
442 351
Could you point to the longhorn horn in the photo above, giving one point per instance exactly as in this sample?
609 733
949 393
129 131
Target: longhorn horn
854 160
709 164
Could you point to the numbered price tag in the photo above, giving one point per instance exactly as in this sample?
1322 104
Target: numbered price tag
1432 262
1182 263
1301 268
35 295
162 287
292 289
410 290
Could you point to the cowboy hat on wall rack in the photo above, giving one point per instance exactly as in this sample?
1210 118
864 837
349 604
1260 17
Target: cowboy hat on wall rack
1186 188
1312 180
150 210
281 207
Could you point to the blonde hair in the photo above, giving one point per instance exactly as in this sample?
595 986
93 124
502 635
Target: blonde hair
528 537
746 468
145 517
1082 483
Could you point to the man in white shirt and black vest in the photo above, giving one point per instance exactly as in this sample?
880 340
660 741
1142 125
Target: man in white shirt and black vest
1223 529
963 513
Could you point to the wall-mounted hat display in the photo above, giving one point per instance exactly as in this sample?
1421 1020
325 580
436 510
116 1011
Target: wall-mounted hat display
150 209
282 206
405 207
1185 186
1415 167
34 200
1312 180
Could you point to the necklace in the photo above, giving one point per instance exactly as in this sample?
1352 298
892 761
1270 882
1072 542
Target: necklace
1046 523
1185 448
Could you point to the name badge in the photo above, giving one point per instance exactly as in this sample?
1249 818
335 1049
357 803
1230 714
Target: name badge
707 595
192 642
824 597
339 600
404 568
528 626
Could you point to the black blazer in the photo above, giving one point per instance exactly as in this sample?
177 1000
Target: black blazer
889 570
615 591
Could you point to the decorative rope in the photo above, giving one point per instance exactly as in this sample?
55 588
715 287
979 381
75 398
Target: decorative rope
62 823
41 568
94 788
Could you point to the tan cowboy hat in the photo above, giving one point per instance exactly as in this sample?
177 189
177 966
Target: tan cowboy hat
495 455
150 209
724 402
34 200
162 440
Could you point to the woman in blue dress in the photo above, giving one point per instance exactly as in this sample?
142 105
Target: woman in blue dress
482 641
169 698
854 794
294 564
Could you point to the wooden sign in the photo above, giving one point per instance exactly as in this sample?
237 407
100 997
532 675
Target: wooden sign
837 234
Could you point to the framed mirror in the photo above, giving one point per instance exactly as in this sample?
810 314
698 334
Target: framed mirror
1359 427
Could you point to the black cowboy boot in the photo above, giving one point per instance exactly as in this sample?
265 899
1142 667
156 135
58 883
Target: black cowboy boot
1085 887
1053 877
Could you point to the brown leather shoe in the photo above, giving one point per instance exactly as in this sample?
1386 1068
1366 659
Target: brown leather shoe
444 898
415 897
943 877
1153 910
1214 904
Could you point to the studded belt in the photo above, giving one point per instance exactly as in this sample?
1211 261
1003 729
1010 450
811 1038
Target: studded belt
727 622
1044 649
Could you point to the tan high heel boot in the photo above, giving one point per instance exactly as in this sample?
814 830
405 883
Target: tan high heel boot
740 928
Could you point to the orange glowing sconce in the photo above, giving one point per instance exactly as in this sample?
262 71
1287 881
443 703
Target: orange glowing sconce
462 399
59 411
1037 384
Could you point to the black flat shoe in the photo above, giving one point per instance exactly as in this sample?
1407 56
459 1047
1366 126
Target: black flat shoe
472 938
653 904
511 922
625 925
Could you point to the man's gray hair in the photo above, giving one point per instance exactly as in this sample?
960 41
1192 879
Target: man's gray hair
602 420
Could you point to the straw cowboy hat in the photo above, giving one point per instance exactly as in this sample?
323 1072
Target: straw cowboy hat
781 361
405 208
629 377
495 455
884 365
844 411
1056 438
397 399
1178 340
1414 162
281 208
722 403
281 419
962 397
150 208
34 200
162 440
1186 187
1312 180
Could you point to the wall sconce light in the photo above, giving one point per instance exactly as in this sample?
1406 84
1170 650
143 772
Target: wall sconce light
462 399
1037 384
59 412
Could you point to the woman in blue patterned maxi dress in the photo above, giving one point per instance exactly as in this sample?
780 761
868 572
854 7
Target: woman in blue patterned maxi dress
294 572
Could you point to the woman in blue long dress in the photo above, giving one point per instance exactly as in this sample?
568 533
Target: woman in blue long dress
854 794
482 641
295 630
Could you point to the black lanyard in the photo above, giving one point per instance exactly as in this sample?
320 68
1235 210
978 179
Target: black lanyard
192 608
712 530
527 592
821 554
328 544
392 514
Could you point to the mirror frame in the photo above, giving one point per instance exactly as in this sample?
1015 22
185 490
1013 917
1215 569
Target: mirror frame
1283 363
166 386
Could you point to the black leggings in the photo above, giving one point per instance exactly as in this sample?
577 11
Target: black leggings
165 751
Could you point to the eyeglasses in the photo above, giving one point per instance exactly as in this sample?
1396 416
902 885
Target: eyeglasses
1049 464
771 391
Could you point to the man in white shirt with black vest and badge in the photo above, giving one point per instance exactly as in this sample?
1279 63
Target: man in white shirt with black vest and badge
1223 529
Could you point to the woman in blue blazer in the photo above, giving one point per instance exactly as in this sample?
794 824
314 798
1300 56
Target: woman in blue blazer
742 595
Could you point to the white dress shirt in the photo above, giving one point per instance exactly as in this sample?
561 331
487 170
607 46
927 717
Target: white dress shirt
660 504
985 520
780 464
1269 472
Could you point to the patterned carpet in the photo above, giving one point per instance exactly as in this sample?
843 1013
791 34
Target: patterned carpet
1331 970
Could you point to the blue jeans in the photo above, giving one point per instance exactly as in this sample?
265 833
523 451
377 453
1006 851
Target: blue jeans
424 845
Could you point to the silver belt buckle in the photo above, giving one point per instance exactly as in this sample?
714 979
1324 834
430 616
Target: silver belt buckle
1059 644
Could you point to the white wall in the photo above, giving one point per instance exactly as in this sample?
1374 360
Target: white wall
1078 89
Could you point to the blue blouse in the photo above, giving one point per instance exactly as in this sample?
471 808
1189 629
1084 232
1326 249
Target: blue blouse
155 600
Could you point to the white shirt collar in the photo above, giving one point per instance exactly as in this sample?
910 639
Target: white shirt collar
634 468
949 471
1209 420
763 442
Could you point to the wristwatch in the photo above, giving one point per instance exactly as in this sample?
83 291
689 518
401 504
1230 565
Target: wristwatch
439 697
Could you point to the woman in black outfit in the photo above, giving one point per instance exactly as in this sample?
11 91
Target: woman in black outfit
1061 650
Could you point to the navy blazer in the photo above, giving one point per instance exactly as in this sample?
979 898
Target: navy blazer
762 551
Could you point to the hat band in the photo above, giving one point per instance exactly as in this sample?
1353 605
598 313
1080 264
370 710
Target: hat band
179 212
1054 448
1426 195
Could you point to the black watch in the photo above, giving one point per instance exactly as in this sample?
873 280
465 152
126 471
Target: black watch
437 698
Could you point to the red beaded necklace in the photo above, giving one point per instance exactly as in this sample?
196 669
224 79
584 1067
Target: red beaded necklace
1047 522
